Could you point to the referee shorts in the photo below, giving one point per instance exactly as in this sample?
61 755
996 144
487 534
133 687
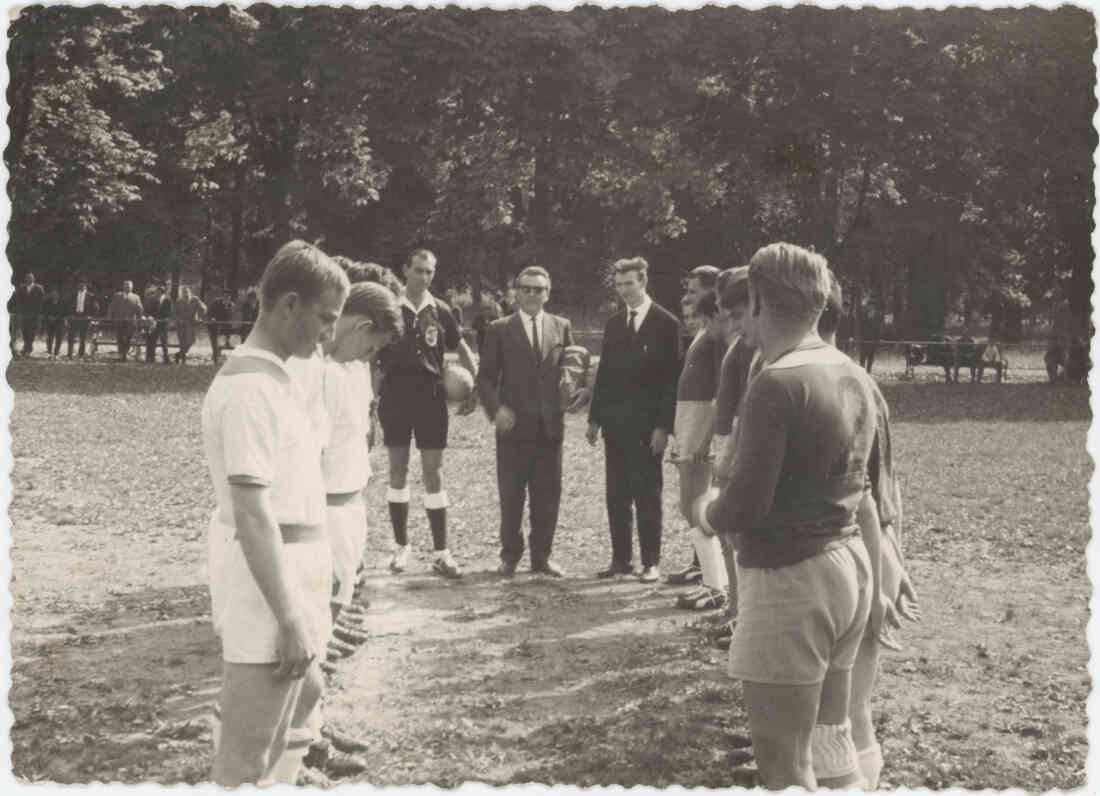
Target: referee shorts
414 405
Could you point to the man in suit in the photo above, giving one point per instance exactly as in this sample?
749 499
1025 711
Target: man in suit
634 405
80 307
159 307
518 384
30 300
189 312
219 321
125 311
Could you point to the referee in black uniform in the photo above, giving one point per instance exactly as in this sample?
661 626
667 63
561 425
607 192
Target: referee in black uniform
412 402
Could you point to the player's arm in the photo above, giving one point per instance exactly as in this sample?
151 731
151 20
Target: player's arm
747 498
595 407
261 542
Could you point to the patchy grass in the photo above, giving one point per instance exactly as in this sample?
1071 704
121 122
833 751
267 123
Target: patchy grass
577 682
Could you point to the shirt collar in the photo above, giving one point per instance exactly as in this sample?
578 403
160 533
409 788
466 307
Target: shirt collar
246 350
427 301
528 318
641 310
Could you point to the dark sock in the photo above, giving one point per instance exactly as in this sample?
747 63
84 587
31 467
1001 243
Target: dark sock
437 518
695 561
399 517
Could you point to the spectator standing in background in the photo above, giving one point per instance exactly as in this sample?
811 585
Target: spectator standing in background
54 312
487 312
250 310
219 321
508 304
124 312
80 307
30 299
189 312
159 308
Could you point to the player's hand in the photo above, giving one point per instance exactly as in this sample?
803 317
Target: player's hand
907 605
593 433
658 442
469 406
505 420
292 646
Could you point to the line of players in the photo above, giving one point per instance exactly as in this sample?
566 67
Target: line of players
272 405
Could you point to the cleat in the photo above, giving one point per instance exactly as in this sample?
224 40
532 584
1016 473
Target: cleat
704 599
312 778
688 575
339 648
328 668
400 560
342 741
341 764
348 635
445 565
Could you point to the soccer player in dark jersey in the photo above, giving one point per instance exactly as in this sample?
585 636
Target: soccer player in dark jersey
882 508
412 402
805 580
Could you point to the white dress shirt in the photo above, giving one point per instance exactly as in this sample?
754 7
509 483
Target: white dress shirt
639 313
541 320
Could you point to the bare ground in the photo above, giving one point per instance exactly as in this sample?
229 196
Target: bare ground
503 681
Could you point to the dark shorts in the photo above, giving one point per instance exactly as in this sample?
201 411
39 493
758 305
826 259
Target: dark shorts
414 405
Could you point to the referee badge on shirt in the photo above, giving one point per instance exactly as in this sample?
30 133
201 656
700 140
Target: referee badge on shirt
431 336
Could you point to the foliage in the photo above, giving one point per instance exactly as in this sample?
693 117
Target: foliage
942 160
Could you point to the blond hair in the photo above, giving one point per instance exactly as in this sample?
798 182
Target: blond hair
793 281
302 268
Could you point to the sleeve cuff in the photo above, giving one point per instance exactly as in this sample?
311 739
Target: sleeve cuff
241 479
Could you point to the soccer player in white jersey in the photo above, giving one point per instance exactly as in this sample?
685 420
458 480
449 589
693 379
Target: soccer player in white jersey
270 562
371 318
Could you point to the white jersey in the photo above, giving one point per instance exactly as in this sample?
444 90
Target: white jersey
257 430
345 460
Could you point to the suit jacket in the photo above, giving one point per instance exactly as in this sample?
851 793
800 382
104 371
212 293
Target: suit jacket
511 374
30 301
635 390
91 305
125 307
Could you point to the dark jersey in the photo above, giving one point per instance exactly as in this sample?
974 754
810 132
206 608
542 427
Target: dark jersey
429 334
733 380
807 428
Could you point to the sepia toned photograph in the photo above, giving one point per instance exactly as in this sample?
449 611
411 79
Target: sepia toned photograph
578 396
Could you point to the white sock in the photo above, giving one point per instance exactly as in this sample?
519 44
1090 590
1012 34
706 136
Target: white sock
289 764
709 550
870 766
436 500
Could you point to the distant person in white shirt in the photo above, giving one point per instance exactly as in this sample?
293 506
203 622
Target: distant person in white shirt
270 561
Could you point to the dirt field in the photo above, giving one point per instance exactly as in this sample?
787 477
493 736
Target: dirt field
574 682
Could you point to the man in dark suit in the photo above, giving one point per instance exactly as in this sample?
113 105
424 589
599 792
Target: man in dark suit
158 307
30 300
80 307
518 383
634 404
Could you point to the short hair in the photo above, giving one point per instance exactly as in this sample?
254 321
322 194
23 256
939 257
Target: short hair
733 287
829 320
628 264
302 268
378 274
421 254
377 303
792 280
533 270
707 305
706 274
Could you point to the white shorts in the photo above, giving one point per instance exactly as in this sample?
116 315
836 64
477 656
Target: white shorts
796 624
347 531
240 612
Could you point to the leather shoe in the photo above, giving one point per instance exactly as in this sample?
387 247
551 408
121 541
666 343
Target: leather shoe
506 569
550 569
343 742
650 575
616 568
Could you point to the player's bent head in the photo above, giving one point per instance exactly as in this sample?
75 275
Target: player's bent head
791 282
834 308
371 318
733 287
705 277
302 269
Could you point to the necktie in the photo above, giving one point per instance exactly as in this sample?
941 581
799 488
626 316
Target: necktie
630 322
535 336
80 301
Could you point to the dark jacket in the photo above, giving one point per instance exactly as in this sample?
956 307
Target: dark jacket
30 301
159 307
635 389
512 375
91 305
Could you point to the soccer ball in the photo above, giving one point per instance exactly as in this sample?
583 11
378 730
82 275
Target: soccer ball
458 383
